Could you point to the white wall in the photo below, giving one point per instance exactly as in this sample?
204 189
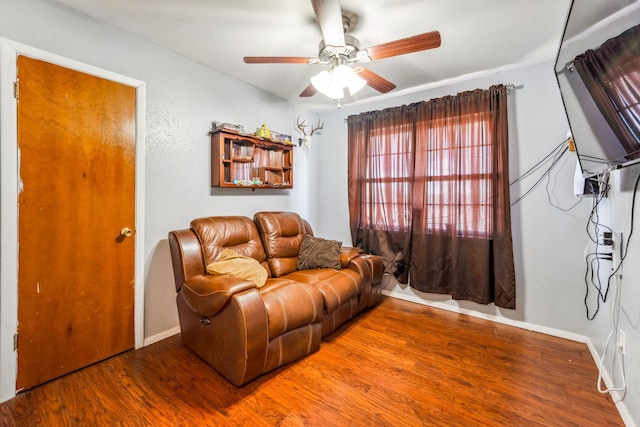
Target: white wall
623 303
549 243
615 212
183 97
548 264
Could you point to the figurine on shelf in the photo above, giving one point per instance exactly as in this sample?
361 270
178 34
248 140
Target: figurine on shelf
263 132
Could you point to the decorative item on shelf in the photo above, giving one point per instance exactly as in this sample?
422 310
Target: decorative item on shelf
227 127
271 135
303 128
281 138
263 132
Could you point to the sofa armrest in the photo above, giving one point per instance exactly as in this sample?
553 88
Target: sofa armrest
206 295
234 341
347 254
186 256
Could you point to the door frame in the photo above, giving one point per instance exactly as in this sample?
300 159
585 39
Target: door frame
10 182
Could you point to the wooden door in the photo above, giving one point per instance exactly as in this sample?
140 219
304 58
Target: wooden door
76 140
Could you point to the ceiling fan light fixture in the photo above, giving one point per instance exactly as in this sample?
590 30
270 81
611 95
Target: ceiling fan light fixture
332 83
335 90
321 81
354 82
328 83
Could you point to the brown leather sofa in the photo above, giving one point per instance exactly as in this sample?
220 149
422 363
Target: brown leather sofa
243 330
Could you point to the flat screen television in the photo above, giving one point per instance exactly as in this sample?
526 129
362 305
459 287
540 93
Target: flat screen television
591 23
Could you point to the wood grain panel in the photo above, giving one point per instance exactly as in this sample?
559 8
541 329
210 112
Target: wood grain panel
398 364
76 136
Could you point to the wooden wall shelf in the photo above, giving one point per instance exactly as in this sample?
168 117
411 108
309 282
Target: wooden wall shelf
245 161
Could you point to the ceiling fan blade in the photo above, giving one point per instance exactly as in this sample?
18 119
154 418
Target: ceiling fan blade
380 84
279 60
329 17
412 44
310 90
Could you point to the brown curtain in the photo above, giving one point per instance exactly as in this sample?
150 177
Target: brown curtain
380 176
458 237
611 74
461 233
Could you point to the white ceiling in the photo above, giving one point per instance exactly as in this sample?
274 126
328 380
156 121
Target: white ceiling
477 35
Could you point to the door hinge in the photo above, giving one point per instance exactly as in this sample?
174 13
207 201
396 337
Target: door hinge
15 342
16 90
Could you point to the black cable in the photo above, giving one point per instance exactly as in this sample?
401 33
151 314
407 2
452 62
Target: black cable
537 165
600 255
623 253
544 175
549 195
594 219
594 159
595 282
597 199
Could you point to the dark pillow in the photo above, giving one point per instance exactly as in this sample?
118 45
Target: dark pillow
318 253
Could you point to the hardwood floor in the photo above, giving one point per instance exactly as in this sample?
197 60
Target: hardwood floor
399 364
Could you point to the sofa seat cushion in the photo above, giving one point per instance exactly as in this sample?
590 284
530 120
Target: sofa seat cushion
337 286
290 305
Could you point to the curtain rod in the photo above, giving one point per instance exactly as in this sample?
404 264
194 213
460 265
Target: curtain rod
508 86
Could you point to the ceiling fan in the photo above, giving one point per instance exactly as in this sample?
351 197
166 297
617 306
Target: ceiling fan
340 51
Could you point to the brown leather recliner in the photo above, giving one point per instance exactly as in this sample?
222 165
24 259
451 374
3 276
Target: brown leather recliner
243 331
282 234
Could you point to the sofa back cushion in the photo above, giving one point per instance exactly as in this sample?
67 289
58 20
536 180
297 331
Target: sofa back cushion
239 233
282 234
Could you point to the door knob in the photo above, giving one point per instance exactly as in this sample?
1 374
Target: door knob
126 232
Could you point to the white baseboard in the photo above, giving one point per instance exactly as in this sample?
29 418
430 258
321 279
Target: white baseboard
617 398
498 319
162 335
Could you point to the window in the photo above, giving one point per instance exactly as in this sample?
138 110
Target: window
456 169
387 184
429 191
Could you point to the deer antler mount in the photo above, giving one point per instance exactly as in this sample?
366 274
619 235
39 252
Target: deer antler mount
303 128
